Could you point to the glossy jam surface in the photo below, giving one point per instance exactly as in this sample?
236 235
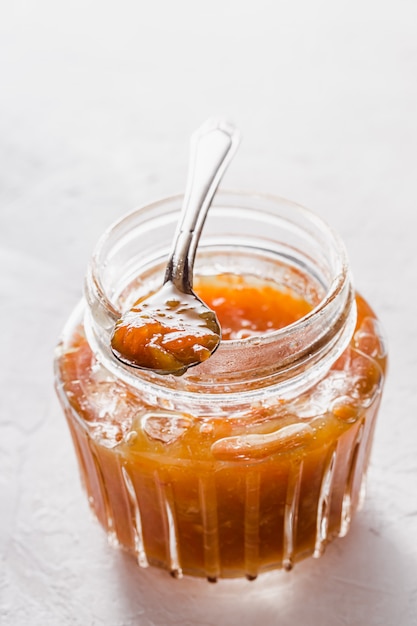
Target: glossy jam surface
249 308
234 494
166 332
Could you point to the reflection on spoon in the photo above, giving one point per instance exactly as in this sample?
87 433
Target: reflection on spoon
172 329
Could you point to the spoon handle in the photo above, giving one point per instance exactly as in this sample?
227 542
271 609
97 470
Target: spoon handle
212 148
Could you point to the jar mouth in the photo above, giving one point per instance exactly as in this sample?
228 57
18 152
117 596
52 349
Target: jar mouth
244 232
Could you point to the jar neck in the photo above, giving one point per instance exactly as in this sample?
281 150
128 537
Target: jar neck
260 236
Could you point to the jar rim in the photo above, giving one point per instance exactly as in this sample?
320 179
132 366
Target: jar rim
339 291
120 225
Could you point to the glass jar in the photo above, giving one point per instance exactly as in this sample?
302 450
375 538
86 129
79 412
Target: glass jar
256 458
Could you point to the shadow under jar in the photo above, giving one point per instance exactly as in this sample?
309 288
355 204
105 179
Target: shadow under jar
256 458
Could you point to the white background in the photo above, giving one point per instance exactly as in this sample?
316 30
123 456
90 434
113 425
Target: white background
97 102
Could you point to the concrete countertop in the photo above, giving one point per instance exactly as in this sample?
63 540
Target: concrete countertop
97 102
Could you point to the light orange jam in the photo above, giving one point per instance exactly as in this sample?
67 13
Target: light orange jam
245 309
208 496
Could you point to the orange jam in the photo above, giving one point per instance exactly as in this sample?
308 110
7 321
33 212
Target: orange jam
253 488
246 309
166 332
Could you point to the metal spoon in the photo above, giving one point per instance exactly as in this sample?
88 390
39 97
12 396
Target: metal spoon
172 329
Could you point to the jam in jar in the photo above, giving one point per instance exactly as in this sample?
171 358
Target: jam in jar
257 457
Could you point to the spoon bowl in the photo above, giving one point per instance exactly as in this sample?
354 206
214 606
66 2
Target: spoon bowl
167 332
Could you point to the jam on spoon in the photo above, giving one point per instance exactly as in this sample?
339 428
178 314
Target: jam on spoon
172 329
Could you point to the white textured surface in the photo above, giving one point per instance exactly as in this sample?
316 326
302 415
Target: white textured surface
97 102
